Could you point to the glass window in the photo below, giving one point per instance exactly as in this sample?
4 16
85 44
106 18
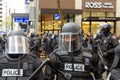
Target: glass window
98 14
86 14
110 15
86 27
95 26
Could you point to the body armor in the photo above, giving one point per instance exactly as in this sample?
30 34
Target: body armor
78 67
73 68
106 43
8 67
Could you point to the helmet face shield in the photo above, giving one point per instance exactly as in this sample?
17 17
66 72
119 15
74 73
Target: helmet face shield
69 42
17 45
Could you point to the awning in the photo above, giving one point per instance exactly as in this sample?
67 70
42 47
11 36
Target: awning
101 19
64 11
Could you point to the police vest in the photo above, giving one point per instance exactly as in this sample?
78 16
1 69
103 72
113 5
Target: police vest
106 43
79 67
11 70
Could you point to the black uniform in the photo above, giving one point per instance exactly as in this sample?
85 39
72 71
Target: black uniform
115 68
17 63
35 48
107 43
71 61
79 67
27 64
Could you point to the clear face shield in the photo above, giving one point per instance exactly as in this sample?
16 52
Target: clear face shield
17 45
69 42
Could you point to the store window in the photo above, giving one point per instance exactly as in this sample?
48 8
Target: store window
110 14
86 14
86 26
98 14
93 25
52 24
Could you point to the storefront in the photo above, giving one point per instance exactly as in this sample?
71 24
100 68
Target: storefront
97 12
50 20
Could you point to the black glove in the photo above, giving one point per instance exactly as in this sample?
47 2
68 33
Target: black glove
105 55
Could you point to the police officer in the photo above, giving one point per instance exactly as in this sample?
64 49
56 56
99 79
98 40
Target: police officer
107 42
17 63
34 44
4 40
30 39
115 68
70 61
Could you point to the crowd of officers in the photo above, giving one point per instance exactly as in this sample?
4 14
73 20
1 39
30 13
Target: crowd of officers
69 56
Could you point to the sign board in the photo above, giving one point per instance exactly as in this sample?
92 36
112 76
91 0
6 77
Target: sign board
21 19
57 16
99 5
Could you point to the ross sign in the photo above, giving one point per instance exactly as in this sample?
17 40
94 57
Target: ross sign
57 16
99 5
21 19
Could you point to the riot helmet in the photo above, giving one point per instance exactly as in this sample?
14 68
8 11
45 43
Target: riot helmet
4 35
70 38
106 27
32 35
16 44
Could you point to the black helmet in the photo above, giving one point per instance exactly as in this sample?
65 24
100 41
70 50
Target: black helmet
4 35
106 27
32 35
70 38
16 44
71 27
36 35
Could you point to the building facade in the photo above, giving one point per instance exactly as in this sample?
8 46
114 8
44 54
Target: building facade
118 15
97 12
55 13
0 10
87 13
